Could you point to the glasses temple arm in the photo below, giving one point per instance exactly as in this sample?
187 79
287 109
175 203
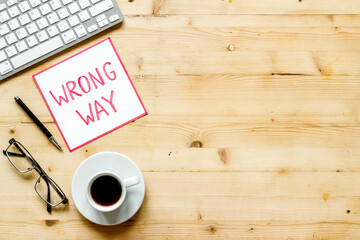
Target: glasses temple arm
48 207
17 146
12 154
56 188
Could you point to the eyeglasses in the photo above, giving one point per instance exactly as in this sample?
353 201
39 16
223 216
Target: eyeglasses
45 187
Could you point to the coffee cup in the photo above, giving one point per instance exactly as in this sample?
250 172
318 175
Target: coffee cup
106 190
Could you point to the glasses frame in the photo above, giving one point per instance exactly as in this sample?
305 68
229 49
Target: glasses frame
39 170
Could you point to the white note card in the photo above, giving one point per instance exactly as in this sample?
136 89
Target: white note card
90 94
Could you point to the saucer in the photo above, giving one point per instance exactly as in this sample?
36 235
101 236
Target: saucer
124 167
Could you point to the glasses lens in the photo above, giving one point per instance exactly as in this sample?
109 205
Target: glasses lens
20 157
49 191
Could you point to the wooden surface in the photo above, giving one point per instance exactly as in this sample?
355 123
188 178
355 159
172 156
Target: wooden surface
253 128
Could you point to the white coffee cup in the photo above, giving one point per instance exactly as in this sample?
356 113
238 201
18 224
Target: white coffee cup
124 183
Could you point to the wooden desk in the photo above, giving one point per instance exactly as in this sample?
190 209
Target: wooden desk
253 127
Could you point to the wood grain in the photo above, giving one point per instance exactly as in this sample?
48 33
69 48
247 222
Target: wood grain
274 100
244 45
174 7
183 203
252 130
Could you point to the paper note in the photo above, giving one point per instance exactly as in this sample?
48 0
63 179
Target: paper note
90 94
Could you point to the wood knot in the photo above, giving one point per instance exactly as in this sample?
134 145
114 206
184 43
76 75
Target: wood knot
231 48
12 131
348 211
199 216
169 154
157 6
212 229
50 223
140 63
223 156
325 196
49 169
196 144
251 229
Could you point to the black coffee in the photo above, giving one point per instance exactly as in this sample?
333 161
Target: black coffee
106 190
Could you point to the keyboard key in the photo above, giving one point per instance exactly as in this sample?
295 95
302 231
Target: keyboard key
24 6
21 33
36 52
42 36
74 8
10 51
73 20
55 4
14 24
101 7
68 36
45 9
24 19
3 29
10 38
11 2
92 28
53 18
35 3
63 25
14 11
2 43
63 13
84 3
2 6
21 46
34 14
103 23
100 17
42 23
4 16
80 31
5 68
32 41
2 56
95 1
31 27
65 2
84 15
114 17
52 31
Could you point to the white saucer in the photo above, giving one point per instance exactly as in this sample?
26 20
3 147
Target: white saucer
124 167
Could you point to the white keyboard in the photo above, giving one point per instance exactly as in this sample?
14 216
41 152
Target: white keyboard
33 30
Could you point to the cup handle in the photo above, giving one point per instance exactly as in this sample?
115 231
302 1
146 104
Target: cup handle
131 181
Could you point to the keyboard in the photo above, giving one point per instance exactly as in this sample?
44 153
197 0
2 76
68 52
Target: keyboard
33 30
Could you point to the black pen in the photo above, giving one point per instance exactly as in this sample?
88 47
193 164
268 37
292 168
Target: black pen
37 122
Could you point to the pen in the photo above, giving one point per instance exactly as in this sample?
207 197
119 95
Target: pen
37 122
